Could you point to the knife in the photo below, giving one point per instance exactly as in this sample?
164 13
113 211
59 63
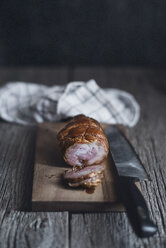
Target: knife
130 170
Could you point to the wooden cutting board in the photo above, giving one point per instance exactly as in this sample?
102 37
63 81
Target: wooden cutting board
49 191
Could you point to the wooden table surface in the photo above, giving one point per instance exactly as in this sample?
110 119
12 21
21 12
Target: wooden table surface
20 227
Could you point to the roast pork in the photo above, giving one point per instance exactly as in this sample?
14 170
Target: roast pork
83 142
84 147
78 174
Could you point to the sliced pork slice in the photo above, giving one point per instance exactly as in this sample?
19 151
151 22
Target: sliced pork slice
77 174
88 183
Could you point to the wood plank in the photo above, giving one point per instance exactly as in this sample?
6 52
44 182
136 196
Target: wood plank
49 191
20 229
90 230
102 230
149 140
17 147
108 230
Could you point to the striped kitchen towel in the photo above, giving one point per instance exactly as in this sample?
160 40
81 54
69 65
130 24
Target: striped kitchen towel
28 103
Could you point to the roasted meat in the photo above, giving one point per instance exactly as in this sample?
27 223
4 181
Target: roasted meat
83 142
84 147
77 174
88 183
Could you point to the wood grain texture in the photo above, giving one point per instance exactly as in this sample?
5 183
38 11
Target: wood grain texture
16 165
18 227
84 230
149 139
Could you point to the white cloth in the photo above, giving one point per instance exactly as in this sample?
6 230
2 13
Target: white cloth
28 103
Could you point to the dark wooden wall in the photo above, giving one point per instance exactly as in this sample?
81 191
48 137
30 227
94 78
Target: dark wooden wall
64 32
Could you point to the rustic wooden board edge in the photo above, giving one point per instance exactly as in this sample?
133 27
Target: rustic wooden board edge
78 208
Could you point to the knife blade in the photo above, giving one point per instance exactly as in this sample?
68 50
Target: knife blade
130 169
126 160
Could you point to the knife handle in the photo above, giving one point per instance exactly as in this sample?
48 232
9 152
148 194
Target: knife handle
136 208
